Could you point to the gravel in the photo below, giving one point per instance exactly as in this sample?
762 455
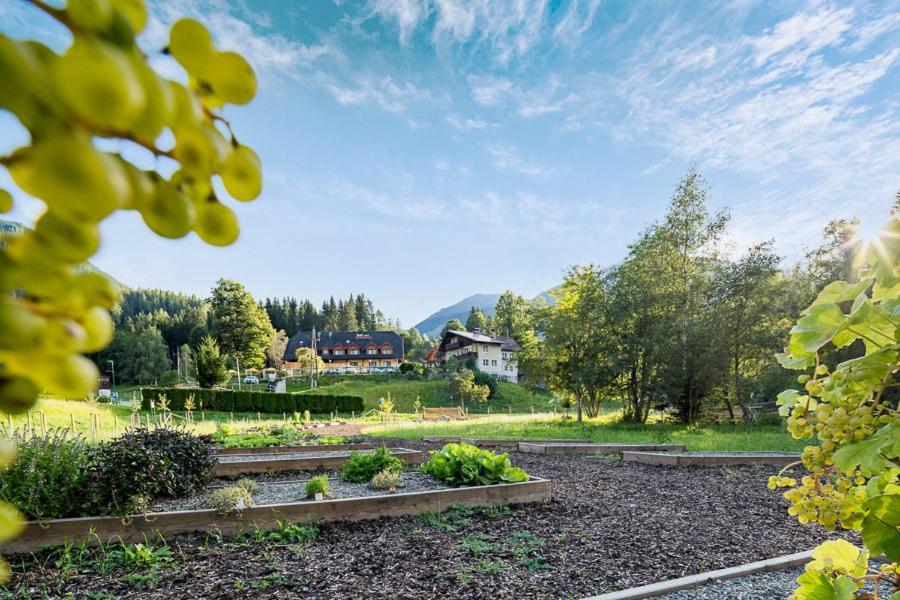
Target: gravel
231 458
294 490
611 525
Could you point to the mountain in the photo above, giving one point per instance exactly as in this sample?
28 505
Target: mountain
432 325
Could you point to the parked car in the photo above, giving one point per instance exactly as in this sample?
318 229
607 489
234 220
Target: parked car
251 379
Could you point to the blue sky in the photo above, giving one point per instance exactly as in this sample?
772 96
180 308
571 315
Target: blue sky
423 150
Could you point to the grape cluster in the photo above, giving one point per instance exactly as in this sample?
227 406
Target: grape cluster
52 309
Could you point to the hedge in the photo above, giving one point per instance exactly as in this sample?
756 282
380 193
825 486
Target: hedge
267 402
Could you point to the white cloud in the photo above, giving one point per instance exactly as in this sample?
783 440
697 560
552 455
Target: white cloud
577 20
406 13
382 91
488 90
467 123
810 32
506 158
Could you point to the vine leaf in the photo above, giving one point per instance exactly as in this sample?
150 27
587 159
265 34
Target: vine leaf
815 585
787 400
841 291
881 526
816 328
840 556
871 454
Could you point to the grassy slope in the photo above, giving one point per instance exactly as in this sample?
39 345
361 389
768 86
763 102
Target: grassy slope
434 393
601 429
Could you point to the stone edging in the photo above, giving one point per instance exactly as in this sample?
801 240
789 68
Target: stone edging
691 581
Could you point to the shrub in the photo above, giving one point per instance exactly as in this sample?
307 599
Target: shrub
150 463
482 378
361 468
233 498
465 464
251 485
317 485
385 480
46 480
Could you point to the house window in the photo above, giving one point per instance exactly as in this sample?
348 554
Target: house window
373 363
324 350
354 351
485 362
386 363
387 350
339 352
484 348
372 351
493 363
505 356
354 363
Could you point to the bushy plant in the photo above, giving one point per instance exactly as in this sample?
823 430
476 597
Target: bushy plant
486 379
317 485
465 464
232 498
46 480
152 463
361 468
251 485
385 480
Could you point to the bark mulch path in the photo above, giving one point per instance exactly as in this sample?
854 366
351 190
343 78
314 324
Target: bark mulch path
611 525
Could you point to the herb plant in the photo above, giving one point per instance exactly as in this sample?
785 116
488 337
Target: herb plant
317 485
361 468
465 464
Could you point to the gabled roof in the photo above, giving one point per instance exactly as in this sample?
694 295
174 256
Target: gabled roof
327 339
506 343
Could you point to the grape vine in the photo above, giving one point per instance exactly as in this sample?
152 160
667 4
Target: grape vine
851 411
103 87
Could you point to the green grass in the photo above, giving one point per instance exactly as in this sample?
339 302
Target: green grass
435 392
608 428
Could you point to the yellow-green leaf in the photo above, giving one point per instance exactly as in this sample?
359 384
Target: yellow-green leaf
840 556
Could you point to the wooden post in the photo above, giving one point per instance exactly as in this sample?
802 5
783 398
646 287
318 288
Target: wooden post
257 416
11 426
532 409
148 420
353 414
93 426
202 415
43 424
510 409
72 421
115 422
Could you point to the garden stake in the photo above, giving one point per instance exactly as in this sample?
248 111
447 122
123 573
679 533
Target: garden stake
72 419
10 419
43 424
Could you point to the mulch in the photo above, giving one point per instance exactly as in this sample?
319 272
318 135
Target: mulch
611 525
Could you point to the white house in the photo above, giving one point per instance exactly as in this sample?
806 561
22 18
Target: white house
492 354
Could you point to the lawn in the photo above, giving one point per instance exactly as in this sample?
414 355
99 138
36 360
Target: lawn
607 428
435 392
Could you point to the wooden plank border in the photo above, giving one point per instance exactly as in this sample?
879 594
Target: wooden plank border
692 581
37 535
292 449
305 463
487 442
676 459
557 449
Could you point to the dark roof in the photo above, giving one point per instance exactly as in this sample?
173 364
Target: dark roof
327 339
507 343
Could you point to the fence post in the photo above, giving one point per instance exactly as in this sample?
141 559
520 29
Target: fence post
43 424
11 426
148 420
115 422
93 426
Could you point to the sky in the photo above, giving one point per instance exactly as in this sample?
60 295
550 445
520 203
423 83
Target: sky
420 151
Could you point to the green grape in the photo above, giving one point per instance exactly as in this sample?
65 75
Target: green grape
241 174
6 201
134 11
64 335
66 239
68 173
90 14
169 213
159 106
20 328
20 73
196 151
188 111
98 328
17 394
140 185
96 289
66 375
192 46
232 79
98 82
216 224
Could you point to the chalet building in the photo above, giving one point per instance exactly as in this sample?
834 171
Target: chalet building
492 354
360 350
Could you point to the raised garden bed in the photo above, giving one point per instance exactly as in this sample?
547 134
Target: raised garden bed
686 459
292 449
40 534
230 465
555 448
489 442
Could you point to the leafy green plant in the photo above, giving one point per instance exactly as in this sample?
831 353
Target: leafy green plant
230 499
288 533
852 412
386 480
46 480
154 463
251 485
465 464
361 468
317 485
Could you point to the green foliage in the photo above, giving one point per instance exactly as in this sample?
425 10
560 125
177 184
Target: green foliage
210 364
140 355
46 480
386 480
229 499
487 380
476 320
851 411
239 324
147 464
251 485
264 402
287 533
454 325
465 464
466 391
317 485
362 467
409 368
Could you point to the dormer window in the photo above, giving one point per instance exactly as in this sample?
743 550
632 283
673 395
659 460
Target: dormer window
387 350
354 351
338 352
324 350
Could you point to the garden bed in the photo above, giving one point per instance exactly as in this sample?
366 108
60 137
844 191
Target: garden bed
489 442
292 449
237 464
687 459
555 448
362 506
